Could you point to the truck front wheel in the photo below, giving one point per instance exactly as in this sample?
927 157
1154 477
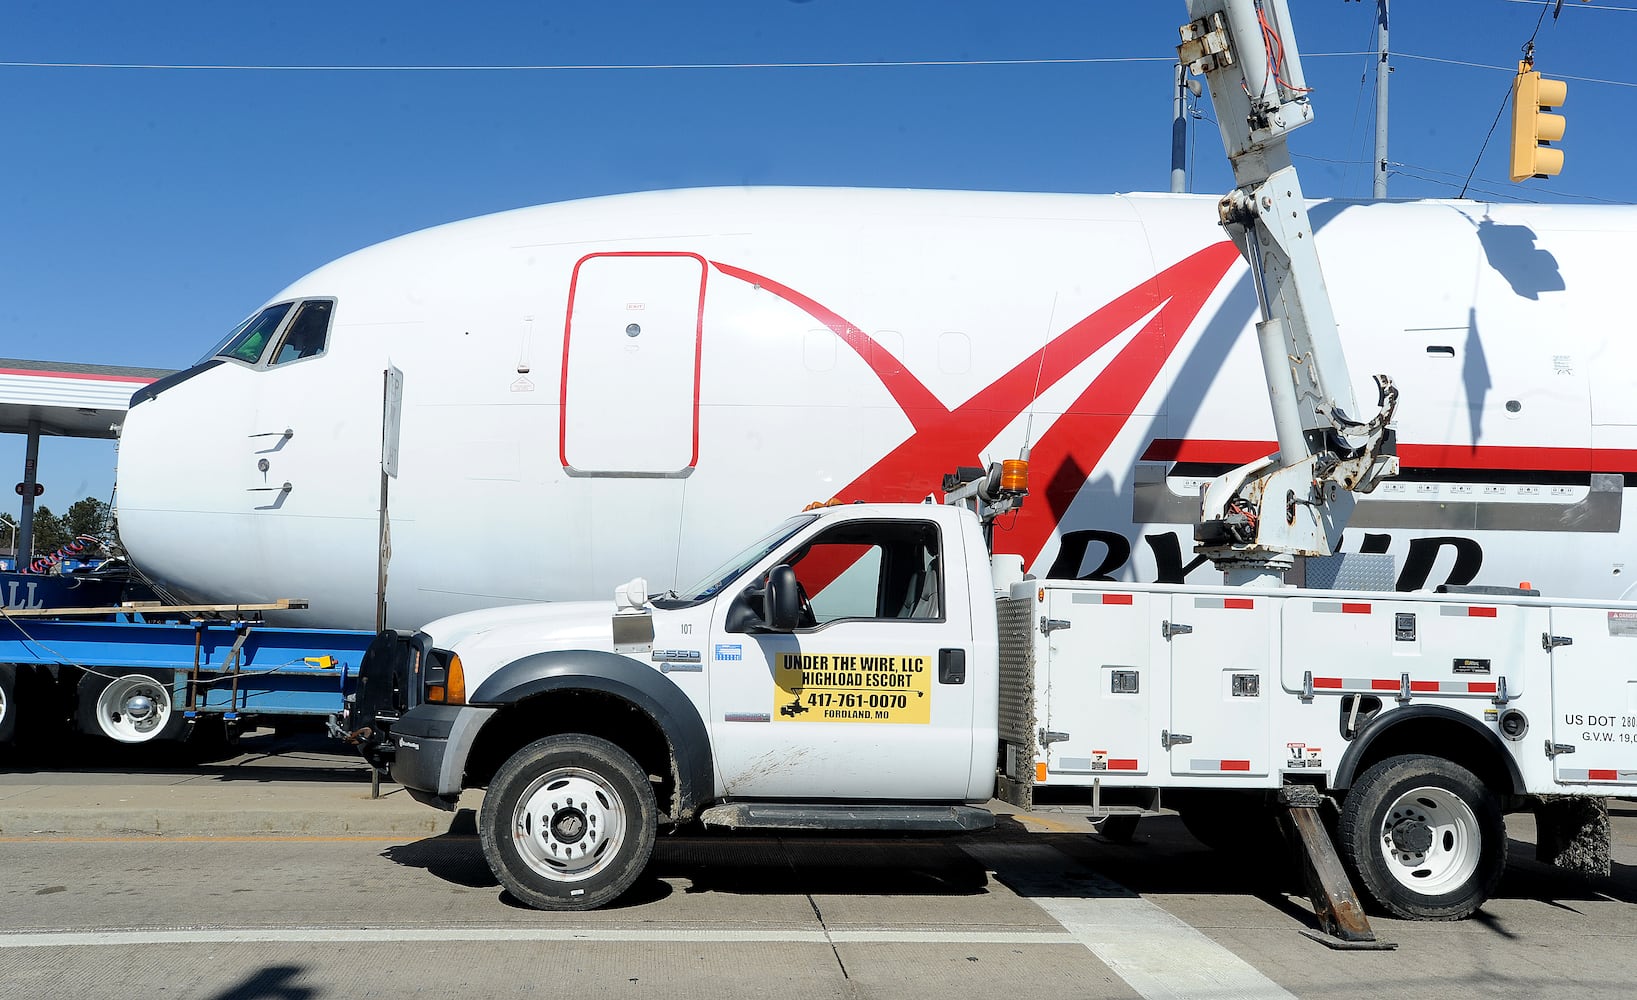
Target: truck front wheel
1424 837
8 702
568 823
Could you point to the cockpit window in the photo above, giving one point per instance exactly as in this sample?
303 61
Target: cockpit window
249 341
307 334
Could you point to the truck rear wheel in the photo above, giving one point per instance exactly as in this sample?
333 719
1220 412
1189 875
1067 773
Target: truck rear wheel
1423 837
568 823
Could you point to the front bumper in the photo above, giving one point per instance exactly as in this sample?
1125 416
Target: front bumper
433 742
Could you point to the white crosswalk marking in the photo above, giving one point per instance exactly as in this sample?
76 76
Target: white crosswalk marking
1156 954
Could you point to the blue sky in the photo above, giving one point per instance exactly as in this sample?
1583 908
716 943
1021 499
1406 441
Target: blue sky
146 211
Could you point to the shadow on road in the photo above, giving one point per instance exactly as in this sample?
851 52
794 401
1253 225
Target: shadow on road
270 982
748 864
1160 859
1527 878
261 756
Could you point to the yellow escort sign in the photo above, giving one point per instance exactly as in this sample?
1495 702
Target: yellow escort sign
832 687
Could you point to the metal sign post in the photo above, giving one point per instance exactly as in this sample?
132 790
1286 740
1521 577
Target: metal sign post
392 407
25 526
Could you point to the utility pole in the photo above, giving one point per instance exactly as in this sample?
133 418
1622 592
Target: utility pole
1179 129
1179 133
1382 69
25 527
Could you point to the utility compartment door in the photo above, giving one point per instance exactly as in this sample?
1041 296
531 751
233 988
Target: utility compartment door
1446 649
1594 696
630 391
1223 674
1098 684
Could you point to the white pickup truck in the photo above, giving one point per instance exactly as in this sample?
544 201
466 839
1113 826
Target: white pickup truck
859 667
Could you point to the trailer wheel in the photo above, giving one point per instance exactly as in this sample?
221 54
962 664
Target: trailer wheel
8 702
1424 838
568 823
129 708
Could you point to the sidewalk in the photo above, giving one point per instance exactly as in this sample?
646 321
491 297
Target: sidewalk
301 786
216 808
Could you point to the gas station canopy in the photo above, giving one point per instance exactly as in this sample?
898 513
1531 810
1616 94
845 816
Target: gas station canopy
68 399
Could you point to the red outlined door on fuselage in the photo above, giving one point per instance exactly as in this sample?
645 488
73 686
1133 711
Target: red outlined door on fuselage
631 349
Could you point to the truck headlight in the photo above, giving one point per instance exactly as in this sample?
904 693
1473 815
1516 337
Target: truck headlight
445 679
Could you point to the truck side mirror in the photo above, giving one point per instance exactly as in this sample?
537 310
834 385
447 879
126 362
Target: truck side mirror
781 600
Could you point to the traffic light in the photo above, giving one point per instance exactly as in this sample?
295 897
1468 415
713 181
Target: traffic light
1534 128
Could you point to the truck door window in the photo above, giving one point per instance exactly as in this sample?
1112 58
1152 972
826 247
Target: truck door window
868 569
308 332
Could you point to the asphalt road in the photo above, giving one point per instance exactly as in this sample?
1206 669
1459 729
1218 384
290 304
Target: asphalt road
1036 906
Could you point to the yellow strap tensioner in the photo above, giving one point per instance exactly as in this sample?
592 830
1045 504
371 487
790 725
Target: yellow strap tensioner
322 662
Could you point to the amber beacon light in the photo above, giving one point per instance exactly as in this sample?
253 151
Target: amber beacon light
1014 475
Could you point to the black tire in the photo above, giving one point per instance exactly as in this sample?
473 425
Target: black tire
565 794
102 702
8 702
1423 838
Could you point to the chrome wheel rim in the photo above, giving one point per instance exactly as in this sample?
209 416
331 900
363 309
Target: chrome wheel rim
568 824
1430 840
133 708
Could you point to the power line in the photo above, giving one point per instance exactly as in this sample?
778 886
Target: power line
614 67
1499 194
1358 102
601 67
1510 70
581 67
1475 187
1579 6
1506 99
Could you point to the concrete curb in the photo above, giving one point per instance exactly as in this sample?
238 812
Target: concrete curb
221 810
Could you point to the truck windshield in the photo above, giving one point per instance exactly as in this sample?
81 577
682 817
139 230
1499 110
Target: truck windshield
726 573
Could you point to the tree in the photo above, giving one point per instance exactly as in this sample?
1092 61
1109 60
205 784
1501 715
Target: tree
50 534
89 517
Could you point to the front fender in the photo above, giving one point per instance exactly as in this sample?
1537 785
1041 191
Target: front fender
637 683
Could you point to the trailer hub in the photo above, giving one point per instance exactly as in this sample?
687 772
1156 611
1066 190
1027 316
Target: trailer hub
139 708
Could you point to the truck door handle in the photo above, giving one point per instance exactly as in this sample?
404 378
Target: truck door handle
951 666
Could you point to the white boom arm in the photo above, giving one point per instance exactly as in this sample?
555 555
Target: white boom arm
1257 518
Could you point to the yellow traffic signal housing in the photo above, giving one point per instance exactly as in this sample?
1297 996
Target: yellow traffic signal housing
1534 128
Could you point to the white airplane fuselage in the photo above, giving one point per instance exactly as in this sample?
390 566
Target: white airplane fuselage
638 384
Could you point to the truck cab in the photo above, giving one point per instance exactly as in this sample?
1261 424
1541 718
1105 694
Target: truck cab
842 660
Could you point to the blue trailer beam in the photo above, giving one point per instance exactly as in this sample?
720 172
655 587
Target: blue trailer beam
236 666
